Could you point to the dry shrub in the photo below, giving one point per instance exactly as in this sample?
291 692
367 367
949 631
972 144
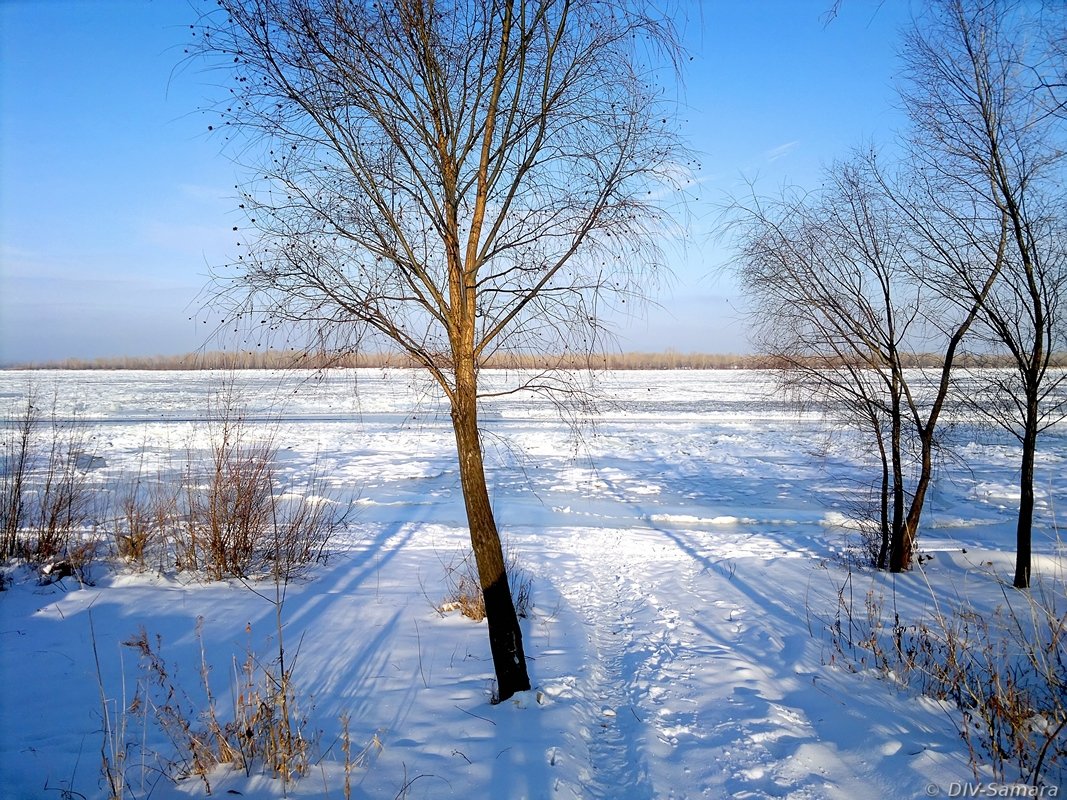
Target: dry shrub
243 525
16 462
264 726
302 526
149 513
464 590
1006 672
225 515
228 510
46 497
237 519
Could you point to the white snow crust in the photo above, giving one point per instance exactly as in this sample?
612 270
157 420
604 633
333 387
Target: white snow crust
684 543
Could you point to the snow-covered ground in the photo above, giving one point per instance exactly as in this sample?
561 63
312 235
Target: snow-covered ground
685 546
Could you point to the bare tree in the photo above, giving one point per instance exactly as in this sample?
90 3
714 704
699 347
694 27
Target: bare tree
459 178
989 145
972 223
837 296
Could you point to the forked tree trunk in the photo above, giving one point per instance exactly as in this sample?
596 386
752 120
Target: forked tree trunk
505 636
904 543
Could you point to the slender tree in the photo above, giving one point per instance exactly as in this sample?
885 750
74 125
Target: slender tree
978 199
984 92
459 178
835 281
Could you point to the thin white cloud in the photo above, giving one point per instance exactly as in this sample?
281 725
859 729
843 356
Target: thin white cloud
781 150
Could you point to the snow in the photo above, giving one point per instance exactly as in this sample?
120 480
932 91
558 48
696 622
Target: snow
685 544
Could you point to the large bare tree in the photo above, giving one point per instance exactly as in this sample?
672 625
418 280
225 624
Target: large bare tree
458 178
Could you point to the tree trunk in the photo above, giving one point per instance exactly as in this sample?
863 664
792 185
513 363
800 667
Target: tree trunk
883 497
505 636
1024 526
883 546
900 548
901 560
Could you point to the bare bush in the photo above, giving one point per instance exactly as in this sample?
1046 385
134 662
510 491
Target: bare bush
19 435
227 518
62 495
464 593
142 522
1005 671
237 517
302 526
227 510
45 494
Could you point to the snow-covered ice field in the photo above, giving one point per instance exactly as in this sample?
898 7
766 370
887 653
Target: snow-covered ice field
684 544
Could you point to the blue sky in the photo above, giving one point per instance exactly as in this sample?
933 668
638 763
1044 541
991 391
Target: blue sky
115 201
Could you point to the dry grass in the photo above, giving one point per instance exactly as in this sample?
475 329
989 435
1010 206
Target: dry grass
46 496
463 591
314 360
264 727
293 359
226 513
1005 671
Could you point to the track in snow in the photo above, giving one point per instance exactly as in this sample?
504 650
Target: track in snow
684 684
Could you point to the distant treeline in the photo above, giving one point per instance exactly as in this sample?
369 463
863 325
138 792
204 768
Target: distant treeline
283 359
